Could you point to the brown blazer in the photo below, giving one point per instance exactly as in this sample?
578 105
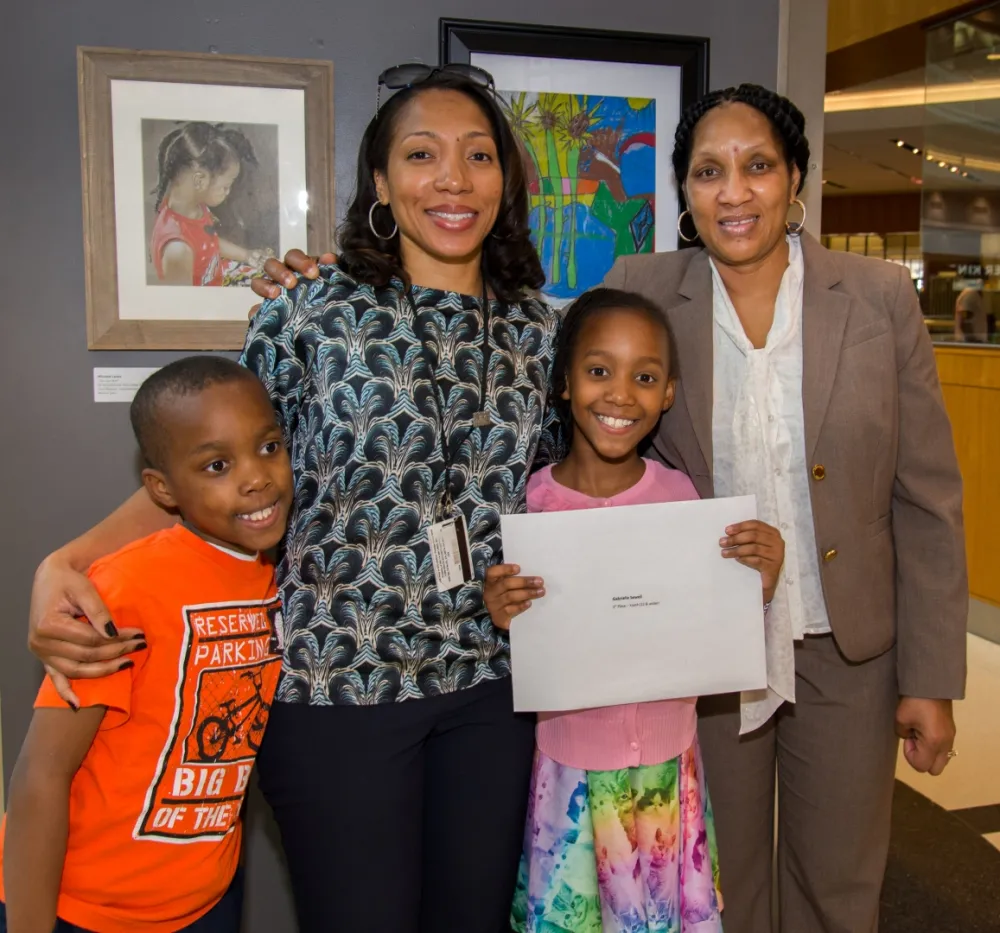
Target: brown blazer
886 490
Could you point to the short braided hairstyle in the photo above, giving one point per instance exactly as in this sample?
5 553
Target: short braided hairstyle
787 122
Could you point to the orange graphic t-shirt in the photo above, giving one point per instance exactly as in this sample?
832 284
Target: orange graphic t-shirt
154 818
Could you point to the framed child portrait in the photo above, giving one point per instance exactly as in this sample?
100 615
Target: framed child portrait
196 169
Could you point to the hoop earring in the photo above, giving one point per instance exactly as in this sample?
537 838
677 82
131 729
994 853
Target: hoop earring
371 224
795 229
680 233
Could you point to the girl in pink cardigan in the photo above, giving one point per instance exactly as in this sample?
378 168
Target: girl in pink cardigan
620 835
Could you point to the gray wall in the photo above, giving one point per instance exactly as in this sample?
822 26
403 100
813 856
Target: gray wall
65 461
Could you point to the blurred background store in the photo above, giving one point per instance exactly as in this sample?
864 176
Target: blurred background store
911 173
912 164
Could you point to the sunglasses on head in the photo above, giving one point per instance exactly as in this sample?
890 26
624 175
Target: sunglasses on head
413 73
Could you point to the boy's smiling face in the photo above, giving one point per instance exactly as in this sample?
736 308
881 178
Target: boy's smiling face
225 466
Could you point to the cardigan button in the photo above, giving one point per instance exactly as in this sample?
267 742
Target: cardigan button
819 472
830 555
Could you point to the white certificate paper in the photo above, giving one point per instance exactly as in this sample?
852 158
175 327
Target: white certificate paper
640 605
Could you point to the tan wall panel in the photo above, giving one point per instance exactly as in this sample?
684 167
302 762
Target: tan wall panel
853 21
970 380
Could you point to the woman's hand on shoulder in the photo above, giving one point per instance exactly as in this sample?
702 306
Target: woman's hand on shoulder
67 646
507 595
759 545
280 274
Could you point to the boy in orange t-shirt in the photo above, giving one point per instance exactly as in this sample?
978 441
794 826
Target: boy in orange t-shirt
124 816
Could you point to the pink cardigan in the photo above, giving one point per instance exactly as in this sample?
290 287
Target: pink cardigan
615 736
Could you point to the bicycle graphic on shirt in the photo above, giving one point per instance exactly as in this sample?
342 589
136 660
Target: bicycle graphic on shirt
235 721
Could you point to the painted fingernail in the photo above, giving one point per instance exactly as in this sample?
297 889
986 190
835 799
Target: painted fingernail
139 647
74 706
111 629
125 665
539 593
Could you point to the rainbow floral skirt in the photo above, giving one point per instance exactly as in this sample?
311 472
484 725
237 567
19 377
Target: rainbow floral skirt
625 851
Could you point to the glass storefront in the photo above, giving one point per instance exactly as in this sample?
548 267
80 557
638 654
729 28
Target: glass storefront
960 199
933 136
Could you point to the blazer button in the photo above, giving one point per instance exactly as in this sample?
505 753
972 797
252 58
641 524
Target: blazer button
830 555
819 472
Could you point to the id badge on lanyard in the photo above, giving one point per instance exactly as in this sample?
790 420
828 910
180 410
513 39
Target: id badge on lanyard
450 553
448 537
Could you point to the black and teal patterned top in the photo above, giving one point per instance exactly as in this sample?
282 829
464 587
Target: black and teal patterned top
364 622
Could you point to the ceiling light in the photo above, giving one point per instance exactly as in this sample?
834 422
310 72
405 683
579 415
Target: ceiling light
913 96
993 57
903 144
954 168
942 164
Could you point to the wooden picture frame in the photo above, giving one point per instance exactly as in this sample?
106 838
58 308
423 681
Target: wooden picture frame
129 306
597 155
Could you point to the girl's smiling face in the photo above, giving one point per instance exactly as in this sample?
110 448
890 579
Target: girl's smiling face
618 382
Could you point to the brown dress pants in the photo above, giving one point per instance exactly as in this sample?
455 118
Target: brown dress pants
834 756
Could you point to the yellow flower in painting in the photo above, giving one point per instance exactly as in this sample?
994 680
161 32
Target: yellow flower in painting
639 103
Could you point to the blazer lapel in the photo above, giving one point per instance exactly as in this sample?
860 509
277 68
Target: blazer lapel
691 319
824 318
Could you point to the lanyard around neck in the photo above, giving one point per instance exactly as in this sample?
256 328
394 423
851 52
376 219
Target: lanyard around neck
480 418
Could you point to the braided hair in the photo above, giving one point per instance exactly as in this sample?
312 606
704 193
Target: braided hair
787 123
590 305
209 146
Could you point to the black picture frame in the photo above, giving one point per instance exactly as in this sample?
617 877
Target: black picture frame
458 39
462 41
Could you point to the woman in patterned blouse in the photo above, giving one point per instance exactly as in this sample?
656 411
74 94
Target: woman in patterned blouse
411 381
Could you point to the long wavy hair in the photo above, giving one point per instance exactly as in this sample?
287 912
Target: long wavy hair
510 262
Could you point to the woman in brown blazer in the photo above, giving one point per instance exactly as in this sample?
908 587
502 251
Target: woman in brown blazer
808 378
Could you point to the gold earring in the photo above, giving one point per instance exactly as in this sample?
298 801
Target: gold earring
795 229
680 232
